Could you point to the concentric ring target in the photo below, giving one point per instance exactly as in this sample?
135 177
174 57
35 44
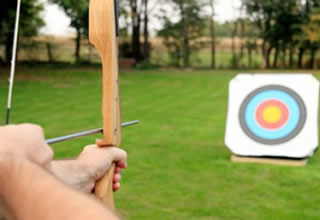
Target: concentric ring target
272 115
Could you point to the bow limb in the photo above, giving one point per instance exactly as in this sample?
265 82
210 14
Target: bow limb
103 35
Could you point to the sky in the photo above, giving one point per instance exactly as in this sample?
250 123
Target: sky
57 23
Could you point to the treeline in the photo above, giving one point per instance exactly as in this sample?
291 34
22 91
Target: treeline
283 33
30 23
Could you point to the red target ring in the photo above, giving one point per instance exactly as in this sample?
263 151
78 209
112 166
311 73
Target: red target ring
272 114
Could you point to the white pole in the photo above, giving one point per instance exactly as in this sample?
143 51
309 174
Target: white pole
13 61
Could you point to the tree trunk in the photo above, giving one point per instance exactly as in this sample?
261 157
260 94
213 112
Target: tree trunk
78 45
301 54
146 43
264 54
283 57
136 21
313 63
291 56
49 51
178 56
242 47
185 33
250 57
268 53
266 29
9 43
233 45
213 35
276 57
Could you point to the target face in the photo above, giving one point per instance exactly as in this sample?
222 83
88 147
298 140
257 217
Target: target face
272 115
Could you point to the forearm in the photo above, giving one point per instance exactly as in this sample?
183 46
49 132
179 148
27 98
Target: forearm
29 192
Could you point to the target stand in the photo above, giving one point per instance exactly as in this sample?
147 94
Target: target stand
273 118
271 161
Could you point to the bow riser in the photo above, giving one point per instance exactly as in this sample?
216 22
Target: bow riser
103 34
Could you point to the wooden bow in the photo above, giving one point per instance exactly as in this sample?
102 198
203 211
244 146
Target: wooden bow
103 34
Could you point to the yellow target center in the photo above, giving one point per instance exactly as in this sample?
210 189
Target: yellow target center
272 114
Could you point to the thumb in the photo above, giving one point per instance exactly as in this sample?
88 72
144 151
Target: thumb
116 154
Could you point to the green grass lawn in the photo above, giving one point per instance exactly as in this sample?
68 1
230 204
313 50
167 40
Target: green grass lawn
179 167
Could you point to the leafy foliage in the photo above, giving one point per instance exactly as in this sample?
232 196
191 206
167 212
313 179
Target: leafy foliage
78 11
30 21
183 37
278 21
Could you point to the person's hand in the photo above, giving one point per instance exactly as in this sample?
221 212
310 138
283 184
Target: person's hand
98 161
25 141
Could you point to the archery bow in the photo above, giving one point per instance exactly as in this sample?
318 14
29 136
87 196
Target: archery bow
103 34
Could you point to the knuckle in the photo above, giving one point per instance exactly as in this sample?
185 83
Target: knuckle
121 154
124 154
33 128
88 148
50 153
38 129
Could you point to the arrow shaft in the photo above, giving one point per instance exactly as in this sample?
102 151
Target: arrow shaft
85 133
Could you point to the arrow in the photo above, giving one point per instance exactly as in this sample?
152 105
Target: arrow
85 133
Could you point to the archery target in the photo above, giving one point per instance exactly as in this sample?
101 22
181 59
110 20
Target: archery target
273 115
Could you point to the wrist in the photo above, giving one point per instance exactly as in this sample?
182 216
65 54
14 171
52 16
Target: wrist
88 175
10 164
87 167
73 173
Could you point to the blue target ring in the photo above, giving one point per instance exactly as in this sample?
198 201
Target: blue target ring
292 127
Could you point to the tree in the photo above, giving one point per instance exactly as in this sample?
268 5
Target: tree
242 33
171 33
186 32
311 32
146 43
139 11
30 22
147 11
233 36
251 45
213 34
278 22
136 28
78 11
